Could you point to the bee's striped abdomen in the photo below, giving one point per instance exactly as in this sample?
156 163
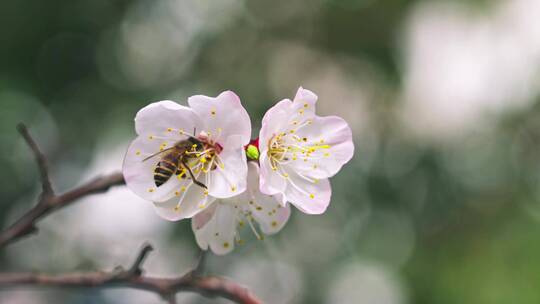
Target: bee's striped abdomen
166 168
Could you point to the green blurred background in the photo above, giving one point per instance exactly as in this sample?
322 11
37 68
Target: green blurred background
441 203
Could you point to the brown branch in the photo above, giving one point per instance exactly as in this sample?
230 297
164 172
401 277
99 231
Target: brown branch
48 201
26 224
40 159
167 288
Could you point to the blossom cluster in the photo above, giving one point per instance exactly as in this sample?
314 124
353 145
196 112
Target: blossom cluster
198 162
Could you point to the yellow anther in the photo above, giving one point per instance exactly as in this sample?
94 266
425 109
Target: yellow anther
213 112
274 223
315 181
194 146
291 131
137 152
203 159
202 206
241 224
326 154
295 122
301 112
151 190
205 192
177 193
304 139
285 175
259 208
169 129
311 196
226 245
151 137
177 208
233 188
306 105
181 131
183 189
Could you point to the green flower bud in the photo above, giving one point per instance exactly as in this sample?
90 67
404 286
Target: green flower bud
252 152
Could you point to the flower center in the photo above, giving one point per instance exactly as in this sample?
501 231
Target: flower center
285 148
204 157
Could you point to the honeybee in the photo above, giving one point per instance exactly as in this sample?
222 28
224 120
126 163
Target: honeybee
174 161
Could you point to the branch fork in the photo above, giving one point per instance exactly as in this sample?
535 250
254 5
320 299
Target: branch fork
133 277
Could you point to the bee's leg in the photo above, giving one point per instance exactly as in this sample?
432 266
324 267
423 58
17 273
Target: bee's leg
195 181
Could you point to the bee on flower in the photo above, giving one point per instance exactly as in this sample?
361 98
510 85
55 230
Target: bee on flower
185 157
192 162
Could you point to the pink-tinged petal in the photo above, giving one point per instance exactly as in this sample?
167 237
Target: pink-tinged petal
271 182
303 106
266 209
270 214
167 118
332 137
229 177
199 221
138 170
308 196
223 115
218 232
274 120
184 204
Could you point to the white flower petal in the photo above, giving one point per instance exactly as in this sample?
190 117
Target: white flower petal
223 115
271 182
167 118
218 232
303 106
199 221
185 204
332 132
274 120
308 196
266 209
271 216
229 177
139 173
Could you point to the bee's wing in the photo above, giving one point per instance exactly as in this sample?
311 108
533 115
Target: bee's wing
157 153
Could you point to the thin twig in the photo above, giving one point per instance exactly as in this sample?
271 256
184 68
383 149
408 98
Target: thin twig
40 159
136 268
26 224
167 288
48 202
